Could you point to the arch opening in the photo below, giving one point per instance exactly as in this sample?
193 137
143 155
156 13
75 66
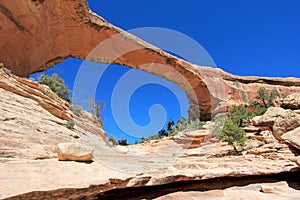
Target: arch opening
152 91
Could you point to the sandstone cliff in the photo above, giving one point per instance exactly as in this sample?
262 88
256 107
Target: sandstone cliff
70 29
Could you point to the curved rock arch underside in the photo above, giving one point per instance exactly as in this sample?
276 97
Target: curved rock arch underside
38 34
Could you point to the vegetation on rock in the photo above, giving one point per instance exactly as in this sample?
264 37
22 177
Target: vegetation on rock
230 132
264 100
57 85
95 107
123 142
182 125
70 124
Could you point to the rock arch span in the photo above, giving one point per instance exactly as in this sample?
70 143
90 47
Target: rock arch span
36 35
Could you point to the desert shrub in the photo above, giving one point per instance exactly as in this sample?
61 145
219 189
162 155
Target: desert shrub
188 125
76 109
240 115
232 134
70 124
153 137
95 107
172 129
50 94
162 133
123 142
57 85
264 100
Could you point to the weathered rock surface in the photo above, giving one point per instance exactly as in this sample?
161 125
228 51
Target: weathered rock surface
279 120
28 160
293 137
74 152
33 124
274 191
30 26
290 102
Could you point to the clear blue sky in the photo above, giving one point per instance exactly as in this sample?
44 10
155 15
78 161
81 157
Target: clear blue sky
243 37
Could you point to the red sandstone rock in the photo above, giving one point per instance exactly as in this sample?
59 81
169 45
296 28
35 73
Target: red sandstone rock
30 26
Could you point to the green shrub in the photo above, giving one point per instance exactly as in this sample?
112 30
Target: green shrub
123 142
57 85
70 124
231 133
76 109
50 95
240 115
264 100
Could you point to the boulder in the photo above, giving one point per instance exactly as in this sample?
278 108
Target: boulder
279 120
290 102
74 152
293 137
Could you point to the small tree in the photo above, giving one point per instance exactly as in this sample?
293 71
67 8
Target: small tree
123 142
231 133
95 107
266 98
239 114
162 133
57 85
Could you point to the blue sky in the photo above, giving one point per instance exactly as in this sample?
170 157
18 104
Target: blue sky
243 37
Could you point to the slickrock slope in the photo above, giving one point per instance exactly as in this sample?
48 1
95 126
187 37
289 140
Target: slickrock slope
30 133
36 35
32 123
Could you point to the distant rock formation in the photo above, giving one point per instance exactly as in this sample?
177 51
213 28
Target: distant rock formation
36 35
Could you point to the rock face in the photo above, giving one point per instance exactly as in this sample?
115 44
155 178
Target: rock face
293 137
279 119
32 124
30 168
284 123
271 191
30 26
290 102
74 152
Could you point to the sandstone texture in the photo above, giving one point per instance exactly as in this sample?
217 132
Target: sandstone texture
279 120
273 191
293 137
30 26
32 124
284 121
290 102
74 152
30 168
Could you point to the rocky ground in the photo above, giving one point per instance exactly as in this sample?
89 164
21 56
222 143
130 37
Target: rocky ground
191 165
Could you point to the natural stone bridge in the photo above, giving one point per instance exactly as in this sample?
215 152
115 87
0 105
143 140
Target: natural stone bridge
37 34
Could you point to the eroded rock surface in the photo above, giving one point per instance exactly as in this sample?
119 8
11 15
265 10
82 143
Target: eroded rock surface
279 120
30 168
